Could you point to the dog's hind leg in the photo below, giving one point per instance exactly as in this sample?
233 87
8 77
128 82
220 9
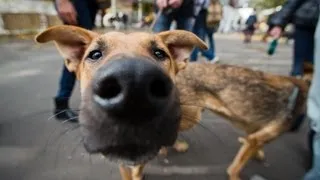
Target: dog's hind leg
252 144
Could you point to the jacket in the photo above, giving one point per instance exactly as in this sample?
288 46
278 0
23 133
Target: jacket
302 13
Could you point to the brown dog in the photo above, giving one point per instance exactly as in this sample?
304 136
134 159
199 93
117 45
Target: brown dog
263 105
129 103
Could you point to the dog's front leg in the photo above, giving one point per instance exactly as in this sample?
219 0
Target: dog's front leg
181 146
125 172
137 172
132 172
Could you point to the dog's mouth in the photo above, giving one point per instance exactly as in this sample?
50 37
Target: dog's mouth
129 143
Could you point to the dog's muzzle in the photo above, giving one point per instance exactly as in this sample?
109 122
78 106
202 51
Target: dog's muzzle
133 110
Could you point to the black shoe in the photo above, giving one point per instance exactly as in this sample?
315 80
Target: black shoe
63 112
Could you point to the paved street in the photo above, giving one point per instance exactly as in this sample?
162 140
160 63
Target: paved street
34 146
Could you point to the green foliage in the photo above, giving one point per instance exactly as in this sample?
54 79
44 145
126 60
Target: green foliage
266 4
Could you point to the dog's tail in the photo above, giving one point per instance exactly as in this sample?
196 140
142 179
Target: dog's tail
297 102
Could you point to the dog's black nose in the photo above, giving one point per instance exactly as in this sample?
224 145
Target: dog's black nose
132 87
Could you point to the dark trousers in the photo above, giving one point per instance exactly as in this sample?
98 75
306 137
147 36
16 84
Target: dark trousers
303 49
86 10
202 31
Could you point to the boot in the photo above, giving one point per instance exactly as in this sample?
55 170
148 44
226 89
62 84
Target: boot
63 112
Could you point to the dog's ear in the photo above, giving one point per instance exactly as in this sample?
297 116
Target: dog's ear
180 44
71 42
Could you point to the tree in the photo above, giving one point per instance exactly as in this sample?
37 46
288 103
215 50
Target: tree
266 4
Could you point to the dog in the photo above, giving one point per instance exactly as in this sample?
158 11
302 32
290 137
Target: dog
263 105
130 106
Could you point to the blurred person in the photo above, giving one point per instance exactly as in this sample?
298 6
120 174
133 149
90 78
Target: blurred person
229 16
313 112
180 11
80 13
208 18
125 20
251 24
303 14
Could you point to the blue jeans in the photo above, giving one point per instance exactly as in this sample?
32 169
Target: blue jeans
163 23
201 30
303 49
86 10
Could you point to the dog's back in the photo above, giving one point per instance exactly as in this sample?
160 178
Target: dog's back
249 99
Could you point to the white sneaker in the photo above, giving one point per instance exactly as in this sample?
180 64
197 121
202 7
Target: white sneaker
215 60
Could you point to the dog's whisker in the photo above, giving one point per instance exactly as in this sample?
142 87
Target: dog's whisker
53 116
91 164
57 155
70 119
60 135
76 146
205 127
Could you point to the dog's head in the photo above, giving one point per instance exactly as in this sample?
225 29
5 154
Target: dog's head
129 103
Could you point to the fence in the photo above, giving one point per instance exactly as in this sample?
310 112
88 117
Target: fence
20 23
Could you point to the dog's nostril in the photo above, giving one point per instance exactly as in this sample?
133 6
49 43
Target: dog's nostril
109 88
159 88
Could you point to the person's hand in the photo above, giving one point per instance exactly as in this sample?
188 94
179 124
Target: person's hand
67 12
162 4
172 3
175 3
276 32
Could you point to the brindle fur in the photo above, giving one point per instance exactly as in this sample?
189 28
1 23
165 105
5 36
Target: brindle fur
254 101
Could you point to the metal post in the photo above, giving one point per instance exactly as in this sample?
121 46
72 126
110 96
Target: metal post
114 6
140 10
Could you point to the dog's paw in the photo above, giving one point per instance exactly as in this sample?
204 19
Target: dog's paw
260 156
181 146
163 151
234 178
243 140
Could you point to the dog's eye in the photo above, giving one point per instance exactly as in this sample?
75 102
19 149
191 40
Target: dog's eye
160 54
95 55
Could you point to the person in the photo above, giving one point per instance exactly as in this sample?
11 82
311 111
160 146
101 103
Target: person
180 11
250 26
313 111
80 13
208 18
303 14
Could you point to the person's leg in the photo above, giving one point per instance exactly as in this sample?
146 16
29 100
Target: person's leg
66 84
185 23
303 50
67 80
210 53
162 23
199 30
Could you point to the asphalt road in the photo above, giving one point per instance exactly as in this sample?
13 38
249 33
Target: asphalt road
34 146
